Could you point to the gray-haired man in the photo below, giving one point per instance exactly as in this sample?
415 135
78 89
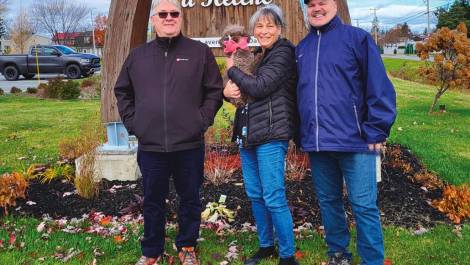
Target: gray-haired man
168 93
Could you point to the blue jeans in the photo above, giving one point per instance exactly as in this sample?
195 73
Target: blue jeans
359 173
263 175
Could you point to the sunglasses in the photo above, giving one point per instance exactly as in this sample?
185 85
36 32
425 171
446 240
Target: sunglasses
163 15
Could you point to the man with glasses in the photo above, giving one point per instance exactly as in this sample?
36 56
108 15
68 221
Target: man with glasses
168 93
347 106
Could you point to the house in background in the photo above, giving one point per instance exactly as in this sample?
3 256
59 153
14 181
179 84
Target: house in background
2 45
67 39
7 46
80 41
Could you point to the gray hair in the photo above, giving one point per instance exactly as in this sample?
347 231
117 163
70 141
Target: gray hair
270 11
155 3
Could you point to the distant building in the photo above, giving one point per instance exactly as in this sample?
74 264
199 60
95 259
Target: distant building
2 44
8 46
67 39
80 41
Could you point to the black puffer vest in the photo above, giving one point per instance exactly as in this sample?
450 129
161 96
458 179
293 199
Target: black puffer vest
272 114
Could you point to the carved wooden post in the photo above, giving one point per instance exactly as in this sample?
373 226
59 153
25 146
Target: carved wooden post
127 28
343 11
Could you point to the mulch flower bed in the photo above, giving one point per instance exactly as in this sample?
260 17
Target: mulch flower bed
402 202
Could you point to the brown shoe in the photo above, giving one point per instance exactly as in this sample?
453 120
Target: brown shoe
147 261
187 256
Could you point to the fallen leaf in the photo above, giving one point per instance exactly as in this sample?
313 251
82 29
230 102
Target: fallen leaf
420 231
41 227
106 220
387 262
458 231
118 239
12 239
299 255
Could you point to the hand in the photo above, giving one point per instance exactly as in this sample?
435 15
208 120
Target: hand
229 62
377 147
231 90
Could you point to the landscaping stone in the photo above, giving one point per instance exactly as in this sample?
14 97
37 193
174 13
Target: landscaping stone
115 165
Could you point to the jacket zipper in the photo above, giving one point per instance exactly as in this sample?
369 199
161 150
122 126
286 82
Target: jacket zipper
245 110
165 125
270 114
357 120
316 92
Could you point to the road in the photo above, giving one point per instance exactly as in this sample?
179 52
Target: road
23 84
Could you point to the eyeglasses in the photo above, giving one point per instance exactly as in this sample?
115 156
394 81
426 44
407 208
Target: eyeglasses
163 15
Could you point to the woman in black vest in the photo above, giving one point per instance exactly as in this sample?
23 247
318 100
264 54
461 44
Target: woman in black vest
263 128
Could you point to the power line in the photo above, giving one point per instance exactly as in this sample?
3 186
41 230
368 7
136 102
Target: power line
429 17
357 22
407 18
409 13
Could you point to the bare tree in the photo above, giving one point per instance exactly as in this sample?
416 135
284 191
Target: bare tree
3 6
21 30
59 16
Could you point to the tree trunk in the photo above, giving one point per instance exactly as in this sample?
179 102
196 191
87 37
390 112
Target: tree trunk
434 102
127 28
343 11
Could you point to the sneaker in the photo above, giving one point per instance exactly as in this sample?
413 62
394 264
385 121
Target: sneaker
187 256
262 253
339 259
288 261
147 261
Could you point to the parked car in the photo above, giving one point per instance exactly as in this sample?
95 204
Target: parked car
52 59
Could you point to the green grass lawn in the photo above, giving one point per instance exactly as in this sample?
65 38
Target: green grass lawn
31 128
440 140
439 246
393 64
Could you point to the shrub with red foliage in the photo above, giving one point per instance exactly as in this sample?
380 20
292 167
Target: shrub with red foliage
219 166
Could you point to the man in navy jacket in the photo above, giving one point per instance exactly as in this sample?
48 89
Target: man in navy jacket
347 106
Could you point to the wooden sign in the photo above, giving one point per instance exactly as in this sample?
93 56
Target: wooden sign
225 3
205 19
202 20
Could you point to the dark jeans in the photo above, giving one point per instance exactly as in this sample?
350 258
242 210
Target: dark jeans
187 169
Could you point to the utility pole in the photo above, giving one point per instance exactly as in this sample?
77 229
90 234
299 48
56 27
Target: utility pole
93 32
375 25
357 22
429 18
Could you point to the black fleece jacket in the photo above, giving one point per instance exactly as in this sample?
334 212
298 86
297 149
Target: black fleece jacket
168 93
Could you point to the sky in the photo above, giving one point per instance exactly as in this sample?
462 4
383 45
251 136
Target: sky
389 12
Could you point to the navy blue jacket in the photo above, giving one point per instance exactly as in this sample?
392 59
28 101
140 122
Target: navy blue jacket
345 98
